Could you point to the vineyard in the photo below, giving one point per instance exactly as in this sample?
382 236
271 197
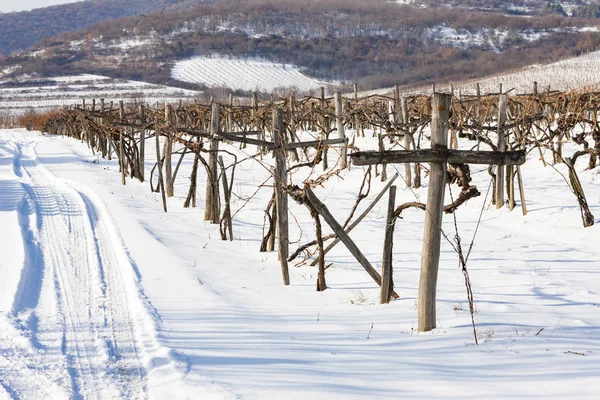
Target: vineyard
492 129
167 282
248 75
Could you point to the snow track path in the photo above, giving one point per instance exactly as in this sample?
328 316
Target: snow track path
70 331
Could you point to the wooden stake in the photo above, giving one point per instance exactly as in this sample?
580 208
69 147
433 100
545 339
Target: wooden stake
407 140
387 282
161 182
281 199
227 196
212 211
339 117
168 152
121 144
142 142
433 215
501 146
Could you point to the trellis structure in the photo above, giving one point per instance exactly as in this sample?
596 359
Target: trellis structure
501 128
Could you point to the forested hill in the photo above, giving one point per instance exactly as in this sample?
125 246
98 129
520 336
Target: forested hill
21 30
376 43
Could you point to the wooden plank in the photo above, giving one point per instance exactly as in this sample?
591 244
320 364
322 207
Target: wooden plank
515 157
387 284
281 199
314 143
354 224
432 232
339 231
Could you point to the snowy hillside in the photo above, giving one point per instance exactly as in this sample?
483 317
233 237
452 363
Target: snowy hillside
103 295
248 75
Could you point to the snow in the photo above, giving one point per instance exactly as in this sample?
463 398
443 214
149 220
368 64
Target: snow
103 295
52 92
248 75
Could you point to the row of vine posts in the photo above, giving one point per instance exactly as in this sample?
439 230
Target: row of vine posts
507 126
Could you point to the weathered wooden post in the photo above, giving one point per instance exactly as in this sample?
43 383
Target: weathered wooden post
122 163
254 112
168 151
387 282
212 210
292 127
227 197
142 141
339 117
407 139
161 181
281 200
230 114
501 146
430 260
324 133
357 125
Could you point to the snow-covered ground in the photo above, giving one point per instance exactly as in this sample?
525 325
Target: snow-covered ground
105 296
249 75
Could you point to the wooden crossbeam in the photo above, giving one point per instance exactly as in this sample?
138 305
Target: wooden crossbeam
516 157
344 237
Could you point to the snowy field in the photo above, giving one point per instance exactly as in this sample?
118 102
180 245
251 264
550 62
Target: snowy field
249 75
104 296
47 93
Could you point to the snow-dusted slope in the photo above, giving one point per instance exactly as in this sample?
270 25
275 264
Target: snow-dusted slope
569 74
573 73
249 75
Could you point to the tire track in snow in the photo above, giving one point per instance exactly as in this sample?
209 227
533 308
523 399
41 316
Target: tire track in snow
26 370
72 300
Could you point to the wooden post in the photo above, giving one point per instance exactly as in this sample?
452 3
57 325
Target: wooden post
407 140
357 125
292 127
339 117
227 197
212 210
230 114
161 181
478 115
142 141
324 134
387 282
254 110
122 163
168 152
281 200
433 215
110 139
501 146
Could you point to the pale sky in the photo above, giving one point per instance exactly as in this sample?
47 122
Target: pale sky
26 5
